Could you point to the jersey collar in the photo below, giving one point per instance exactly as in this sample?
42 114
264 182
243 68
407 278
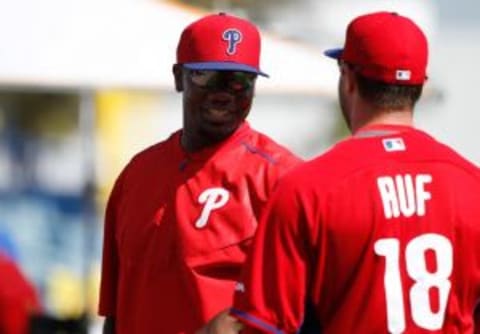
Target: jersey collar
380 130
208 152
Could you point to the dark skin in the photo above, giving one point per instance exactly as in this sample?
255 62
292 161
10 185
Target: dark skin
209 117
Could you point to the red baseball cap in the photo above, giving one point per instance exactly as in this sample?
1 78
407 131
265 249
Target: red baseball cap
220 42
386 47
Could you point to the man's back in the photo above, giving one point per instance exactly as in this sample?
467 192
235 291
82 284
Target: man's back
381 233
393 241
404 230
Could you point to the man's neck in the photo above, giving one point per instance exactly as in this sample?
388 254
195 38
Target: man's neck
367 118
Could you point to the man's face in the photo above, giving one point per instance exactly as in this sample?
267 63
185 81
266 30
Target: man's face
215 103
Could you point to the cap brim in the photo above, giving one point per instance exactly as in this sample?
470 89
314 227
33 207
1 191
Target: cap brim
224 66
334 53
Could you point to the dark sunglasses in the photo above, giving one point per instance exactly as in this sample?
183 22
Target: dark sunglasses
235 81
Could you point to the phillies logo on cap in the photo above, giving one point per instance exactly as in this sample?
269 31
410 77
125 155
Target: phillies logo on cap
233 38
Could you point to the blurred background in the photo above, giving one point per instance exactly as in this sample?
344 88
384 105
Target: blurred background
86 84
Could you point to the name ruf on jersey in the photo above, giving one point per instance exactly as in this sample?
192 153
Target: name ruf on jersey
404 195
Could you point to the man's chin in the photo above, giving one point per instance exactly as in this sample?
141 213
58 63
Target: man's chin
218 132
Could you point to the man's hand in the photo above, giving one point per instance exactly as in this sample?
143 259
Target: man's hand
222 323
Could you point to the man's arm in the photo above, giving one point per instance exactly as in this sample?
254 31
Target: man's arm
109 325
271 296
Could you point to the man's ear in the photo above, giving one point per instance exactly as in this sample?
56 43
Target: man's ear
177 75
351 79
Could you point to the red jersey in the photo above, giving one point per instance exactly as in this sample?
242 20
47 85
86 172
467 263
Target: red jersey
381 234
177 228
18 299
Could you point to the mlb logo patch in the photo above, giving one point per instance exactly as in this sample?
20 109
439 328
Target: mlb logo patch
403 75
394 144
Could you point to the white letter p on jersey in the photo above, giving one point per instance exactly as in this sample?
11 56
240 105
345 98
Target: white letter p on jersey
212 198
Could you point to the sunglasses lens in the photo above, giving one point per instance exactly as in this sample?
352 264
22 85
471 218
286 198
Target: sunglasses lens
241 80
233 80
202 78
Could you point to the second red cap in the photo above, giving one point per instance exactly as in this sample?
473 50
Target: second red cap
386 47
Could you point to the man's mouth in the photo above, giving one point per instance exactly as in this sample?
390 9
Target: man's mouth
218 112
216 115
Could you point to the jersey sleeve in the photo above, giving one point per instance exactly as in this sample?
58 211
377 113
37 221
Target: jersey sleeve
271 296
110 259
